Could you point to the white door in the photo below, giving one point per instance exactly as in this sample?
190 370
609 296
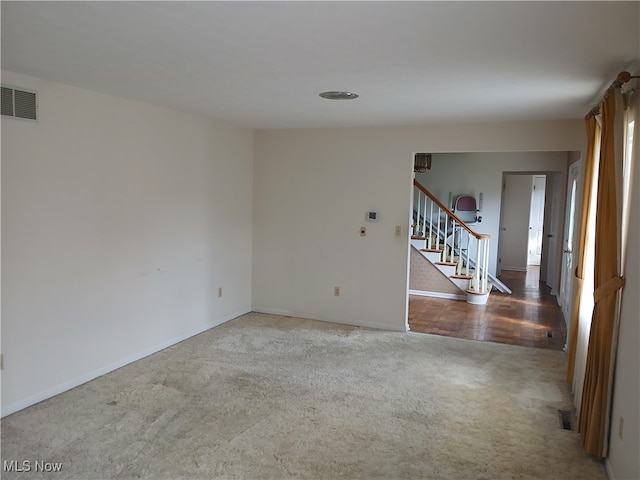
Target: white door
514 222
566 281
536 220
555 192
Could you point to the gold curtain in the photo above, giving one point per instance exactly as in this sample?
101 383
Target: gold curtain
592 154
594 411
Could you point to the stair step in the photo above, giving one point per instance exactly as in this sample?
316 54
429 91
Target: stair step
477 298
461 283
430 250
462 277
450 264
475 292
417 237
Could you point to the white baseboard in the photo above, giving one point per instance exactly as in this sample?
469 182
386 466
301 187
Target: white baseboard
322 318
450 296
63 387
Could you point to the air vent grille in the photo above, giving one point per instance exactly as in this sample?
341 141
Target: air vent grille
7 101
19 103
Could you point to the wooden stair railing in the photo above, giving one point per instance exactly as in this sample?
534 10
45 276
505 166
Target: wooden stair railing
443 231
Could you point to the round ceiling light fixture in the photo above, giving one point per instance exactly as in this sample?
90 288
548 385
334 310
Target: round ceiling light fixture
339 95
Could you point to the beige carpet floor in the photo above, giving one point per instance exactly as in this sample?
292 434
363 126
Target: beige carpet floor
274 397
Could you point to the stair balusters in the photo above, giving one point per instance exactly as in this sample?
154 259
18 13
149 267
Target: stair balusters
442 230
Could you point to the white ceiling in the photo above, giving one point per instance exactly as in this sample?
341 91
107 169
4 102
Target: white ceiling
263 64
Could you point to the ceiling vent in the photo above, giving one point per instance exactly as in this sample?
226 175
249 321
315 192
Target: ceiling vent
19 103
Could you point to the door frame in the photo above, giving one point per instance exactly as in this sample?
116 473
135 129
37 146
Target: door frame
505 207
565 297
560 218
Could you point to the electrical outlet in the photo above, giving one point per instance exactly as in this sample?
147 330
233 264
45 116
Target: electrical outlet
336 291
620 426
219 292
363 231
398 230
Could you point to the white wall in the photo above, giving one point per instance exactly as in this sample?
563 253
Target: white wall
624 458
312 188
120 221
482 172
310 199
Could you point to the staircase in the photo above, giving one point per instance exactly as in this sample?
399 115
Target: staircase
454 248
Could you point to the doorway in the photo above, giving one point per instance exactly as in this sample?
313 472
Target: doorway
522 222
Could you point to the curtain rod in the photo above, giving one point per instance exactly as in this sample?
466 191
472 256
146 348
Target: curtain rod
621 79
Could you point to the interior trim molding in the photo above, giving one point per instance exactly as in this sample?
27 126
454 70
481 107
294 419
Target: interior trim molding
349 321
450 296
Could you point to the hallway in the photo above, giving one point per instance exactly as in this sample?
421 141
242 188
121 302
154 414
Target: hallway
529 317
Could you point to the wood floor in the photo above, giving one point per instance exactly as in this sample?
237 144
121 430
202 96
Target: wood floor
529 317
